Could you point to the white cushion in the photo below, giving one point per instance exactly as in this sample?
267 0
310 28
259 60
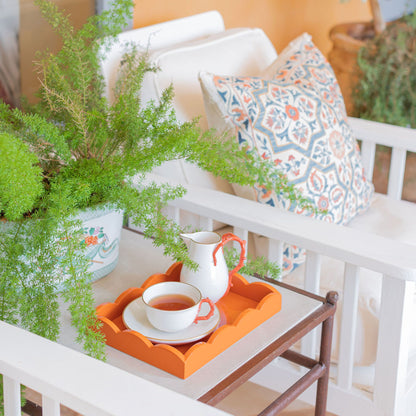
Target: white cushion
157 36
234 51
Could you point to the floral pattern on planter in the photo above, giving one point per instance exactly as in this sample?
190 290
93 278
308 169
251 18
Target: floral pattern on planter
92 235
101 228
98 245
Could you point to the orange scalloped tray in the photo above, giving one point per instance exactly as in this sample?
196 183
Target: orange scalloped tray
245 307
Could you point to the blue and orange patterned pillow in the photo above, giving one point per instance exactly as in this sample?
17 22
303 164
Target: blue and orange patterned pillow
295 116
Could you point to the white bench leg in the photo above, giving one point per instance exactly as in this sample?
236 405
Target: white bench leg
393 345
11 392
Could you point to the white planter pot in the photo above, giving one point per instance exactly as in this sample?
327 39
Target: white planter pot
102 229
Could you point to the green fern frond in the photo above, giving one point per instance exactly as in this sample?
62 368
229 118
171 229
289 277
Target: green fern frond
20 178
254 265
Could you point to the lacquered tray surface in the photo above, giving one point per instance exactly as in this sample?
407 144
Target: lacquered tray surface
245 307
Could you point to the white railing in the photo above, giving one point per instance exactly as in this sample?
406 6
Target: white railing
55 371
395 261
399 139
88 386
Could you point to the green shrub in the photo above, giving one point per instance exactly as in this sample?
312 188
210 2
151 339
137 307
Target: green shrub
386 91
20 177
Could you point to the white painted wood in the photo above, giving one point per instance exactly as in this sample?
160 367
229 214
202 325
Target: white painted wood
368 153
275 251
206 223
241 233
312 272
11 391
411 396
396 175
294 307
50 407
116 285
84 384
349 245
396 314
357 248
348 326
61 373
312 280
385 134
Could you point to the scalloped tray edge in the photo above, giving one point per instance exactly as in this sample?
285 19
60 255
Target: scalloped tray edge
169 358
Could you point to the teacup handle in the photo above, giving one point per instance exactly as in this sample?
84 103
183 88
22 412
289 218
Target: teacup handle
225 239
210 313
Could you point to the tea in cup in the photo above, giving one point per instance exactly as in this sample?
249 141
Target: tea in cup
173 306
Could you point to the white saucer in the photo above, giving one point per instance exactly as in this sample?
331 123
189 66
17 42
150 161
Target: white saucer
134 317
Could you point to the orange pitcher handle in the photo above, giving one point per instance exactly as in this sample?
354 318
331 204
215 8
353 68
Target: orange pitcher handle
224 240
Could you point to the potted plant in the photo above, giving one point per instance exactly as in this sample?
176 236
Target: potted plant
385 91
73 152
347 39
374 65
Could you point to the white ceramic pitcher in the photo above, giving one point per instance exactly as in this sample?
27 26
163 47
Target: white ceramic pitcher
212 277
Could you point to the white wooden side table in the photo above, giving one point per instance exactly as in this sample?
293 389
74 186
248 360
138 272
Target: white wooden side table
301 312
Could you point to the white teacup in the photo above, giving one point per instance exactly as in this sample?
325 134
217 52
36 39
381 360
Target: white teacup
173 306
